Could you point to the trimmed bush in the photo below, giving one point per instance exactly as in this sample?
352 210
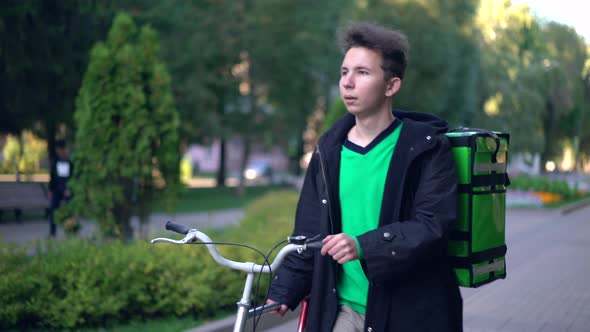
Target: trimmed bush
545 185
77 283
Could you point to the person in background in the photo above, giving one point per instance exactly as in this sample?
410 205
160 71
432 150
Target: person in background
61 171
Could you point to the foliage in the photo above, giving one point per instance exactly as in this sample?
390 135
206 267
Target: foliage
337 111
247 69
532 87
186 169
256 69
44 52
126 139
544 184
26 157
512 68
77 283
443 68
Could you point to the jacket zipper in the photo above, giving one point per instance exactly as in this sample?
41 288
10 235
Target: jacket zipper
327 190
334 268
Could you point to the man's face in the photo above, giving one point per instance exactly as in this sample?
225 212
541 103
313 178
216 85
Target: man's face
363 87
61 152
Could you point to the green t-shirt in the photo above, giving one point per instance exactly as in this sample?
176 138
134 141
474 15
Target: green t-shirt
362 179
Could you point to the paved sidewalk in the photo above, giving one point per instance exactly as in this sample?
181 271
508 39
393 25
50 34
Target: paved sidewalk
547 283
27 231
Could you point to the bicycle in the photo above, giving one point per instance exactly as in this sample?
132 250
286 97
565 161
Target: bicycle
297 244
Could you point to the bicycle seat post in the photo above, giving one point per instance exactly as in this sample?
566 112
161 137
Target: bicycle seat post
244 304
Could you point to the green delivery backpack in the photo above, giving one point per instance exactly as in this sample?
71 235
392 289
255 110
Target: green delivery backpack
477 245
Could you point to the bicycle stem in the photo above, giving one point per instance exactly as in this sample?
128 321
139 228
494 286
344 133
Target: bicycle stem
244 304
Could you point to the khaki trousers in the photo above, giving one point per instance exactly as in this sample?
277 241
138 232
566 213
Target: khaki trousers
349 320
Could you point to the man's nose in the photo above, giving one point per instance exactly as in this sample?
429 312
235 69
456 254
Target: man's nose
348 81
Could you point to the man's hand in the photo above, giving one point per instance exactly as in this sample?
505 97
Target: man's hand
341 247
282 310
67 193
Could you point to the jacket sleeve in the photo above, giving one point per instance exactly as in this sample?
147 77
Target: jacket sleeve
397 248
292 281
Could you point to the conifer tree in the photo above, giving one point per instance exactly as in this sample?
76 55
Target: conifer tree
126 147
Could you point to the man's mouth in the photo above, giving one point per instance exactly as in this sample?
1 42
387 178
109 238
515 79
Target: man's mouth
349 99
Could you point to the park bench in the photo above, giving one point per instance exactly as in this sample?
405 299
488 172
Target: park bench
18 196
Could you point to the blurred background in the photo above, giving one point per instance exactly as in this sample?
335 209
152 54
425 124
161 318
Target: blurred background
255 82
159 100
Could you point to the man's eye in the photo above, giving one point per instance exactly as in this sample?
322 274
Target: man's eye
364 72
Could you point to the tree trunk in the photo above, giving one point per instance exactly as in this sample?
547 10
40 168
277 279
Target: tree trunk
50 133
548 124
295 166
21 152
221 167
123 229
243 164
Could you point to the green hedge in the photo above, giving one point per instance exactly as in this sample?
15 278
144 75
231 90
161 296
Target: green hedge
77 283
544 184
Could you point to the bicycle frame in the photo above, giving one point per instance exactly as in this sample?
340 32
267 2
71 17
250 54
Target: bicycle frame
244 311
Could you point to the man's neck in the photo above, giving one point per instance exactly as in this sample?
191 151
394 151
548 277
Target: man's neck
368 128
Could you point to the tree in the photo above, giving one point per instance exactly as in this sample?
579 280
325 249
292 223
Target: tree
126 140
533 85
43 53
565 57
250 68
443 73
511 101
200 45
294 64
287 62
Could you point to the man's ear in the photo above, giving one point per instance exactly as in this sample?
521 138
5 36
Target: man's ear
393 86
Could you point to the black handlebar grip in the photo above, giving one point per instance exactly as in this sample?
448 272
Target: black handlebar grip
316 244
182 229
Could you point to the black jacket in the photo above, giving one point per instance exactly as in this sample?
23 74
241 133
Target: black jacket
59 182
411 284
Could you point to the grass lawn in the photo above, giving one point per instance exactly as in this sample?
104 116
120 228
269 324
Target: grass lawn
210 199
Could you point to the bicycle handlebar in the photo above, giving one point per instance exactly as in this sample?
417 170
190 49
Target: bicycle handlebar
178 228
297 243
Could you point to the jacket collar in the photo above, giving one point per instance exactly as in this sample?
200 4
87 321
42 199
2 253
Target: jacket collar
420 130
416 137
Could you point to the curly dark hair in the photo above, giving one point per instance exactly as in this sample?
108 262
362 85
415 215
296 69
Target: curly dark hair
392 44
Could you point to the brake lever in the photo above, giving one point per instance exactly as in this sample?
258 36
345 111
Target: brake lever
189 238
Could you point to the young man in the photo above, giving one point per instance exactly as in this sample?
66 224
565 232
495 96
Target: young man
381 187
61 171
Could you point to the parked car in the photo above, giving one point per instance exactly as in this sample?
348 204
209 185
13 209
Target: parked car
259 171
